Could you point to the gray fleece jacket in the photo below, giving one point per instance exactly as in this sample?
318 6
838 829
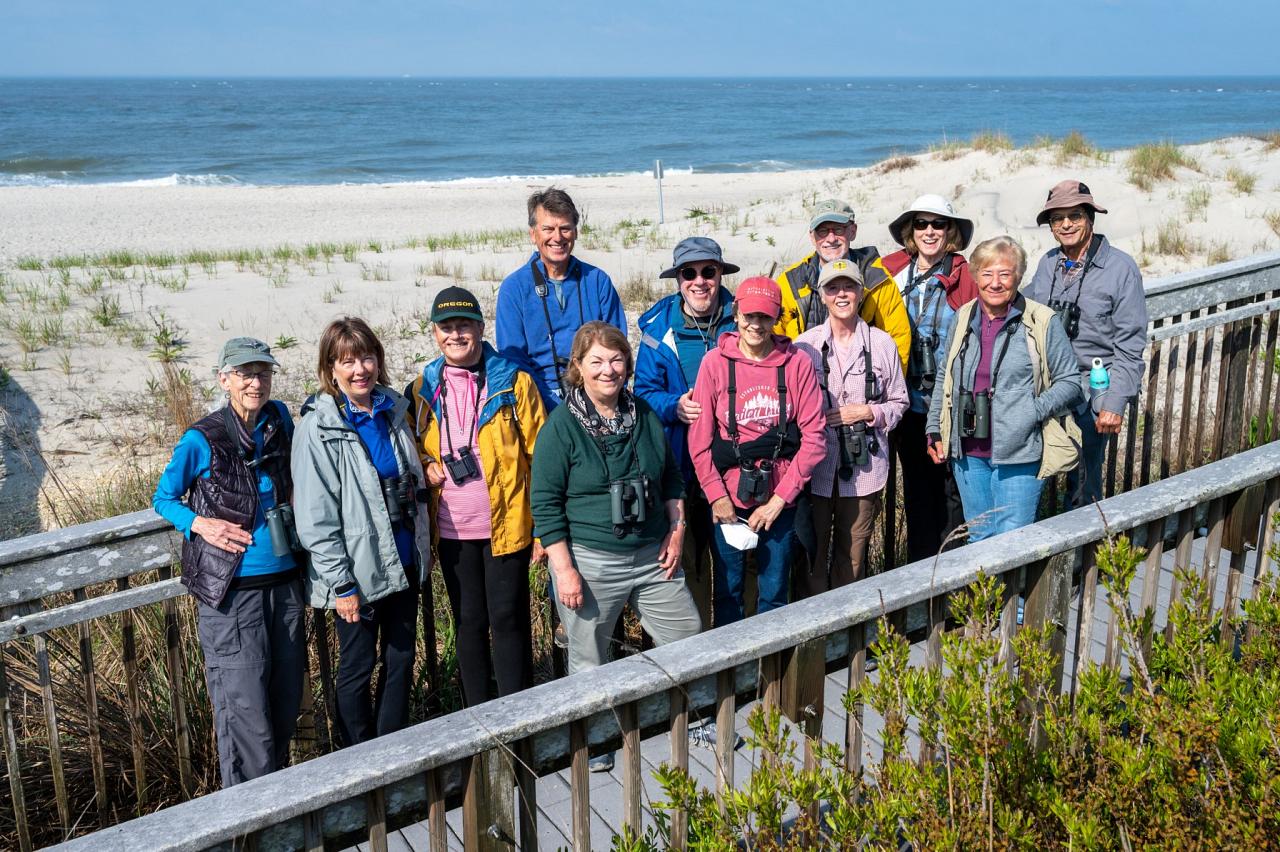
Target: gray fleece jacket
1016 411
1113 317
339 510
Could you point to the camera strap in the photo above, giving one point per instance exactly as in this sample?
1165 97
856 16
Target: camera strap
471 430
543 290
1007 333
733 404
1094 245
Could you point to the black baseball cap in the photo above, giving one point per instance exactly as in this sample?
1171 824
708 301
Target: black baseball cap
456 302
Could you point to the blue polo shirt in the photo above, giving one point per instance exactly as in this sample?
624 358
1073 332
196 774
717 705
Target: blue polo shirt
374 431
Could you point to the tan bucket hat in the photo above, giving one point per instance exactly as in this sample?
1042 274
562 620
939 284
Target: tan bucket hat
1068 193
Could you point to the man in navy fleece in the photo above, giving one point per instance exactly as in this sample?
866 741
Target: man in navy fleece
543 303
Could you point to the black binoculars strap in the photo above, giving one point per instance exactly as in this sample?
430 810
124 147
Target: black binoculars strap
1094 245
543 290
733 415
444 408
1007 333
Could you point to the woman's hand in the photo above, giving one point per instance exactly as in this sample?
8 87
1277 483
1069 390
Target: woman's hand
223 535
847 415
435 474
722 511
672 548
937 452
764 516
348 608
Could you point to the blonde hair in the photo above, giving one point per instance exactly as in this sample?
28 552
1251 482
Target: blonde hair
998 248
589 335
348 336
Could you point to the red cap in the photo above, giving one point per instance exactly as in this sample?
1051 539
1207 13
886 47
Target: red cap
759 295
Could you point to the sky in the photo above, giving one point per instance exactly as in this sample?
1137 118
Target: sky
435 38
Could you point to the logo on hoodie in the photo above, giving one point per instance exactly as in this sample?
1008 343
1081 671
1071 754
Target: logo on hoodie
758 404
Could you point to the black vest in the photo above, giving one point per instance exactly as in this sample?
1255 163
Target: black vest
230 493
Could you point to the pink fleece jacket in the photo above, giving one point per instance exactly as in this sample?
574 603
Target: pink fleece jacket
757 412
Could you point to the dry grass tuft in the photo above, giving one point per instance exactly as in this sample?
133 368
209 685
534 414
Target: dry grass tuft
896 164
1149 164
1243 182
992 141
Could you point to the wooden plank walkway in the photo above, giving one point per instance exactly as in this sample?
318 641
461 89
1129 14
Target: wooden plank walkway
553 791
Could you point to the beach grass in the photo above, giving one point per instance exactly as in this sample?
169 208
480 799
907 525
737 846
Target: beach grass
1197 202
948 149
1174 240
1154 162
1076 146
1244 182
1272 218
896 164
992 141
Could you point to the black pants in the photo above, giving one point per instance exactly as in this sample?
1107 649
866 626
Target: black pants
929 494
489 595
386 633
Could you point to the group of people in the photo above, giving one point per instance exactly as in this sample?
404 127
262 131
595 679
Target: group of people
759 421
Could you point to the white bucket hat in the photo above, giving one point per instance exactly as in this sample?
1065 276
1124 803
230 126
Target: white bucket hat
932 204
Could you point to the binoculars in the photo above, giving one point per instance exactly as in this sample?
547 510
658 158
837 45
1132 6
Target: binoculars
461 465
284 535
629 501
755 483
975 414
1069 314
922 363
856 447
400 494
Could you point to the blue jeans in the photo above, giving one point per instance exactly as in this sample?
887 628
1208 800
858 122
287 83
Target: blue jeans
996 498
1093 448
773 569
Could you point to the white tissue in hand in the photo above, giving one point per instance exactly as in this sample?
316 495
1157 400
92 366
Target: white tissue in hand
739 536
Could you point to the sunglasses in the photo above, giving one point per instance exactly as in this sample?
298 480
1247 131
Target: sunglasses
1075 217
707 273
936 224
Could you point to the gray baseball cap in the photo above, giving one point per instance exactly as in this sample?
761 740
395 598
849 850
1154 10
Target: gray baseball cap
831 210
239 351
694 249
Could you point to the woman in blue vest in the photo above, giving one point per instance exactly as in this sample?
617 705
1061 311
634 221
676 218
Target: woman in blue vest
226 489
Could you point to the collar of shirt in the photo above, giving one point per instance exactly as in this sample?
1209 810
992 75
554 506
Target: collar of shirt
381 402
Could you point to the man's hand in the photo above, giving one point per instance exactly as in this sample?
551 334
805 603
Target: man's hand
686 409
538 554
435 474
569 586
672 548
847 415
348 608
1108 423
223 535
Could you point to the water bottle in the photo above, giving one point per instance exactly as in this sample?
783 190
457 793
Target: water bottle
1099 384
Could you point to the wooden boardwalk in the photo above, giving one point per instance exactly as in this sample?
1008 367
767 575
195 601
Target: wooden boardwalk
554 790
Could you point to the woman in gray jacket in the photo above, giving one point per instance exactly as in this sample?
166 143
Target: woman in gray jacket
360 503
1008 368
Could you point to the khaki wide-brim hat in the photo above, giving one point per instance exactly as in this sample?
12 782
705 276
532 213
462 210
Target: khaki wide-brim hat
1067 193
932 204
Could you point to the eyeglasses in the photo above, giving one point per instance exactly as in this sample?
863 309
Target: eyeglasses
824 231
833 287
1004 276
1075 217
707 273
936 224
246 376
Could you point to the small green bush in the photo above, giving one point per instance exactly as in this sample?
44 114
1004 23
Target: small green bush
1186 756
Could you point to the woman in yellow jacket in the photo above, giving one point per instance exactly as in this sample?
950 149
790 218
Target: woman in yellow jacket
477 416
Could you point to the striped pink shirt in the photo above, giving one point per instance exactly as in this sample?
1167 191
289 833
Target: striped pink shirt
464 509
847 384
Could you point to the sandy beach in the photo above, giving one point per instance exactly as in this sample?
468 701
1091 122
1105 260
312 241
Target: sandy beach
84 334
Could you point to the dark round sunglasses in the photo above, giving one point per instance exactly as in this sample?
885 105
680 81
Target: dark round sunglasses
707 273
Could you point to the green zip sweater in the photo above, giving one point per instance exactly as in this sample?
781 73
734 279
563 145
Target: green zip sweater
571 475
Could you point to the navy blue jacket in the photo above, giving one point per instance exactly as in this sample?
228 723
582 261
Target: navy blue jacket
522 334
660 380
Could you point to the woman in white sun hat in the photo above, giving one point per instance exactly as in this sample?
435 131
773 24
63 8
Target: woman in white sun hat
934 280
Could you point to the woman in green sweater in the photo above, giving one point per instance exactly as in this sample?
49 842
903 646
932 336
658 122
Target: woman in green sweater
608 505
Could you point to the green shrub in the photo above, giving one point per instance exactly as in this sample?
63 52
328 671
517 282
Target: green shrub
1184 757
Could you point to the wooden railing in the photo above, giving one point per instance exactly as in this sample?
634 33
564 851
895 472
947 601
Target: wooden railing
72 597
492 753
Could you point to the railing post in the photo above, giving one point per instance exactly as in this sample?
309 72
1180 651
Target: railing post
857 669
89 680
1084 619
1048 587
129 655
13 763
488 813
580 786
679 760
177 700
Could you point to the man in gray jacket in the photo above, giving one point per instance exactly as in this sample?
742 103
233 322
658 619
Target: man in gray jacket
1096 290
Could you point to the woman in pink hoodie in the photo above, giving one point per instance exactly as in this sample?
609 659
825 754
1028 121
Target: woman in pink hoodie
752 463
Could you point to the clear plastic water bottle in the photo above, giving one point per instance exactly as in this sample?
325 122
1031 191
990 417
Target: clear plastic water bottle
1099 383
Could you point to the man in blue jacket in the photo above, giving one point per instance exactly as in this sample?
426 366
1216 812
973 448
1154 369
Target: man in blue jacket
543 303
676 334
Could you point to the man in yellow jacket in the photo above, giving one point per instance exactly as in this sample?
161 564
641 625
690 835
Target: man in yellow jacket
832 230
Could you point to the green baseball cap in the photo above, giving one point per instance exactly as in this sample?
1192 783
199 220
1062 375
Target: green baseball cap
831 210
239 351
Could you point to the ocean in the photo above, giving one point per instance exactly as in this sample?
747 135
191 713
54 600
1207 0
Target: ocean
333 131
